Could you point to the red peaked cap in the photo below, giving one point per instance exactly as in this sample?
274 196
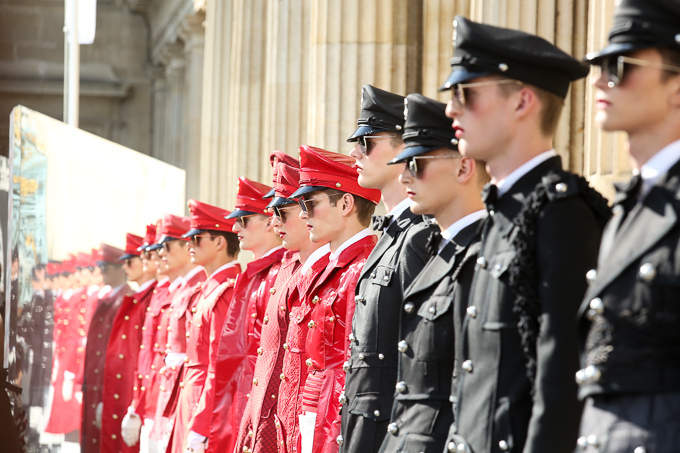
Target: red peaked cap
155 242
275 158
208 217
132 245
249 198
323 169
110 254
149 237
287 181
69 264
84 260
96 255
174 227
53 268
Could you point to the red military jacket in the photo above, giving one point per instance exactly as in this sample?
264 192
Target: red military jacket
122 353
145 389
332 302
196 393
238 349
95 358
293 369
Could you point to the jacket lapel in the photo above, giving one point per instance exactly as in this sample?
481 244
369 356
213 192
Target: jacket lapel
388 238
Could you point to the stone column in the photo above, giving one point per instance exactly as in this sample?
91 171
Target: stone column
160 94
175 67
287 75
353 43
193 35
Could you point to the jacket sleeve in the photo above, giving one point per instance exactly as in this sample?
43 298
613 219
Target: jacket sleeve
568 241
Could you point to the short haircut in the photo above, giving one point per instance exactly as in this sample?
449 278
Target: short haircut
397 140
551 106
669 56
364 208
233 245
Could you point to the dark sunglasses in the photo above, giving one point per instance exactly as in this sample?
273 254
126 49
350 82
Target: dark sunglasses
412 162
243 220
615 68
196 240
280 212
166 244
366 145
308 205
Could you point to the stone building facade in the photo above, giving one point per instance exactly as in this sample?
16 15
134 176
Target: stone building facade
213 86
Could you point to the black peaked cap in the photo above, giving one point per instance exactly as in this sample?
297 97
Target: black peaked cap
426 129
641 24
381 111
481 49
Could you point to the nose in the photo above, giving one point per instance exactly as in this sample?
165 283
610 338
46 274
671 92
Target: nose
237 227
303 215
405 177
276 222
355 153
452 108
598 79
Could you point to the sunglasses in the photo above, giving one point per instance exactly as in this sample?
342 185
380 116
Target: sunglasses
459 88
365 146
243 220
616 68
166 244
412 162
195 241
308 205
281 214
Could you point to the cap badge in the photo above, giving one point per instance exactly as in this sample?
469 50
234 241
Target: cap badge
338 185
617 3
677 38
503 67
454 35
405 108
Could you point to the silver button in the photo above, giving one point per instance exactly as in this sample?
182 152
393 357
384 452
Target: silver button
393 429
582 442
641 449
346 367
561 187
401 387
432 310
408 307
596 308
647 272
342 399
402 346
481 262
362 357
503 445
677 38
502 67
376 413
373 275
467 366
359 299
588 375
340 440
592 440
461 448
591 275
498 267
381 356
451 446
352 337
386 278
472 311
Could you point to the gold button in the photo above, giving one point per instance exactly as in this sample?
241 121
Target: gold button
144 328
187 335
118 376
134 301
193 310
272 291
282 308
98 353
315 300
332 319
96 371
308 362
254 381
121 356
181 385
273 396
282 377
99 335
114 437
123 336
259 351
254 315
266 319
116 396
141 346
127 318
285 345
115 417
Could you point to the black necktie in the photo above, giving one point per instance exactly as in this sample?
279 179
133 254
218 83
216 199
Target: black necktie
381 222
489 195
432 244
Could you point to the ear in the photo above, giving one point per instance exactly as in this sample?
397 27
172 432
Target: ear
269 226
346 204
674 89
220 243
466 169
527 102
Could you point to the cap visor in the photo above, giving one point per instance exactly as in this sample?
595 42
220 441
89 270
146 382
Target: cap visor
240 213
365 130
153 247
280 201
165 239
125 256
269 194
411 151
460 75
307 189
193 232
614 49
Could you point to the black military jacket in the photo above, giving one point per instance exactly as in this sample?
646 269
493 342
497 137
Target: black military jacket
421 415
497 408
630 315
397 258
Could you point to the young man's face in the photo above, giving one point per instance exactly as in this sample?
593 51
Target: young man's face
324 221
432 187
372 155
290 227
175 254
483 123
133 268
148 262
202 248
86 276
161 265
251 230
638 102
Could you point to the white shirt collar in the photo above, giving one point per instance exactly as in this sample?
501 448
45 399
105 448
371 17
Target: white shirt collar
356 238
192 273
175 284
145 285
163 281
657 166
271 251
114 292
223 267
315 256
458 225
92 289
506 183
402 206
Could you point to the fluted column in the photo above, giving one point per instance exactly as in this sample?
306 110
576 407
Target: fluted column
353 43
193 35
606 158
175 67
287 76
160 94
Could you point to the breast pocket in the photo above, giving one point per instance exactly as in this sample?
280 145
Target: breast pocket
382 275
500 264
433 335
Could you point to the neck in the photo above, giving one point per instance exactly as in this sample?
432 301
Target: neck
463 205
307 249
521 150
352 227
645 144
393 194
269 242
172 275
184 270
145 278
217 262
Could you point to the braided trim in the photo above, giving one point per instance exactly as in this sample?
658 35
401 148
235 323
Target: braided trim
523 269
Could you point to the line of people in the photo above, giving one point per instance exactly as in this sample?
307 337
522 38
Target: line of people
464 326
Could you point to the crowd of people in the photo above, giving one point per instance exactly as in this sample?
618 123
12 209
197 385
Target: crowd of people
500 305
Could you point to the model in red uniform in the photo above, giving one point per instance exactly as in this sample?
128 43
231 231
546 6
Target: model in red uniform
216 248
122 351
239 343
337 210
174 253
95 351
258 429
